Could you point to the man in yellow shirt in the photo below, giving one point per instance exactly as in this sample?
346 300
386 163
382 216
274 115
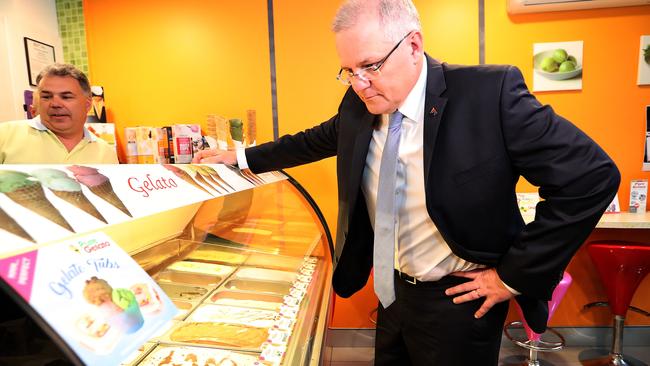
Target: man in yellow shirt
57 134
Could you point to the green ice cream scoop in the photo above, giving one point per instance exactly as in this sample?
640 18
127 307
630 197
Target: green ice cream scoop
123 297
237 129
12 180
47 174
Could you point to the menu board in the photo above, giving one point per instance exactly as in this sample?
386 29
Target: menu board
93 294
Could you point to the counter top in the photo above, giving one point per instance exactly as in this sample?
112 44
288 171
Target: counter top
620 220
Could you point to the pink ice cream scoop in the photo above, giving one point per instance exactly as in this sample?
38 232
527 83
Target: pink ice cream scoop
87 176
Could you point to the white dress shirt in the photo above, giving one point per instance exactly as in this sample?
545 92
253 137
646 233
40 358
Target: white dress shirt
420 249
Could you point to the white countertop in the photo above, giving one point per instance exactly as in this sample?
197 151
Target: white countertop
621 220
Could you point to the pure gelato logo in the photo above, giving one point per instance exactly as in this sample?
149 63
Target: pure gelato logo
90 246
149 184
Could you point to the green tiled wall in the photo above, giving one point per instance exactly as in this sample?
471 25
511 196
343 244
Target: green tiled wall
73 33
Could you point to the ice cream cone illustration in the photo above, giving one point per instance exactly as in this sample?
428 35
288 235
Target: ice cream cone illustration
26 191
9 224
99 185
67 189
119 305
207 176
204 178
185 176
213 173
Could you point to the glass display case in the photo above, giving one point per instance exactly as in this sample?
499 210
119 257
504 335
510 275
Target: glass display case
248 266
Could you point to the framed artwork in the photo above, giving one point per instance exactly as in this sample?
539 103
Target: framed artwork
644 61
38 55
557 66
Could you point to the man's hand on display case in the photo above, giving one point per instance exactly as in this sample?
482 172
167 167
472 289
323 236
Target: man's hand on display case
215 156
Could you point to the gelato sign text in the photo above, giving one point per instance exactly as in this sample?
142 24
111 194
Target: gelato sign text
149 185
67 275
92 245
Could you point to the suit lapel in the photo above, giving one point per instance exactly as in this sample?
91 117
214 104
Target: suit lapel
361 143
434 107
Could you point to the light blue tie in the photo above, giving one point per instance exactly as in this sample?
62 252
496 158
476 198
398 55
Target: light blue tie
385 218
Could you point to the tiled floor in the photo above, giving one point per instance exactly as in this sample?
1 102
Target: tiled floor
510 356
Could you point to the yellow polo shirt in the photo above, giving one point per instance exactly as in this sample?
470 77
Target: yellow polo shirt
30 142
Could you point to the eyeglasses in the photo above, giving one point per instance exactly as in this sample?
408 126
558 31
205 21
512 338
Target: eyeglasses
369 72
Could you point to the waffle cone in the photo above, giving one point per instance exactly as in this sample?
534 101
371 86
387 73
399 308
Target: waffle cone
79 200
186 177
213 181
33 198
9 224
218 178
201 179
105 192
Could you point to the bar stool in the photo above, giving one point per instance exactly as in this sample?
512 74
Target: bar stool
621 266
534 343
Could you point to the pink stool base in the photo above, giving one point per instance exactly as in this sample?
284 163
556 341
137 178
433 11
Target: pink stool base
557 296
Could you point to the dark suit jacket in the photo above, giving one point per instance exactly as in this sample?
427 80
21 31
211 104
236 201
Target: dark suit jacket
482 131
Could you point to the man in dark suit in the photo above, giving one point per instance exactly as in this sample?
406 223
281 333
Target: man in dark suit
465 135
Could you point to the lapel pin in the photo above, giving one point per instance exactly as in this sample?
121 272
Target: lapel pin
434 111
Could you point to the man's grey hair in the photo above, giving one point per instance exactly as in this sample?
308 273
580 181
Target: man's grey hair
58 69
396 17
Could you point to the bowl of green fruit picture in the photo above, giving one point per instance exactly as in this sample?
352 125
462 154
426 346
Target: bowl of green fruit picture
556 64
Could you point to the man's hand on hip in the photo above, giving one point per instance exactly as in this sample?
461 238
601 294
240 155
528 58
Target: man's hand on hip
485 283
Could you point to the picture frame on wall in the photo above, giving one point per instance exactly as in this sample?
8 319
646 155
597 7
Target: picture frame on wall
38 55
644 61
557 66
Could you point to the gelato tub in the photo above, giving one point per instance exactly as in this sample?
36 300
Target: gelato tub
246 299
184 308
220 334
233 315
212 253
202 268
274 261
267 287
190 356
183 292
188 278
250 273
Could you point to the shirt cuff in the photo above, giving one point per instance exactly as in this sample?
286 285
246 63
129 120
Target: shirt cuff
514 292
242 163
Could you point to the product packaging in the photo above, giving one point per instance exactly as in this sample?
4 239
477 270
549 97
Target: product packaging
638 195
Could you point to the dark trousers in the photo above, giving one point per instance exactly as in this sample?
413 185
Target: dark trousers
424 327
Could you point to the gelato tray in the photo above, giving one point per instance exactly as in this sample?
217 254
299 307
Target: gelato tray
233 315
202 268
212 253
266 287
246 299
184 292
184 308
220 334
250 273
137 354
274 261
188 278
164 355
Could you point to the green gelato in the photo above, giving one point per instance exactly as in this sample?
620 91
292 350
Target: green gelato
12 180
237 129
57 180
123 297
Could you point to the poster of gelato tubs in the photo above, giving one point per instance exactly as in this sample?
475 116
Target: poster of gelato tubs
92 293
557 66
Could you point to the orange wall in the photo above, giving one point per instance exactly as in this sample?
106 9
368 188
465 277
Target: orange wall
175 61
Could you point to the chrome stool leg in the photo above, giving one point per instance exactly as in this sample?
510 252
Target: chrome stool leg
534 347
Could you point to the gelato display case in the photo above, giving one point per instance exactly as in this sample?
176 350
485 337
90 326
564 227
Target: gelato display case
219 266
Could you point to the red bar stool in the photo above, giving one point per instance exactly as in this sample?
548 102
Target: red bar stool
621 266
534 343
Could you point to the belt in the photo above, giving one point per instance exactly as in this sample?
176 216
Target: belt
407 278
